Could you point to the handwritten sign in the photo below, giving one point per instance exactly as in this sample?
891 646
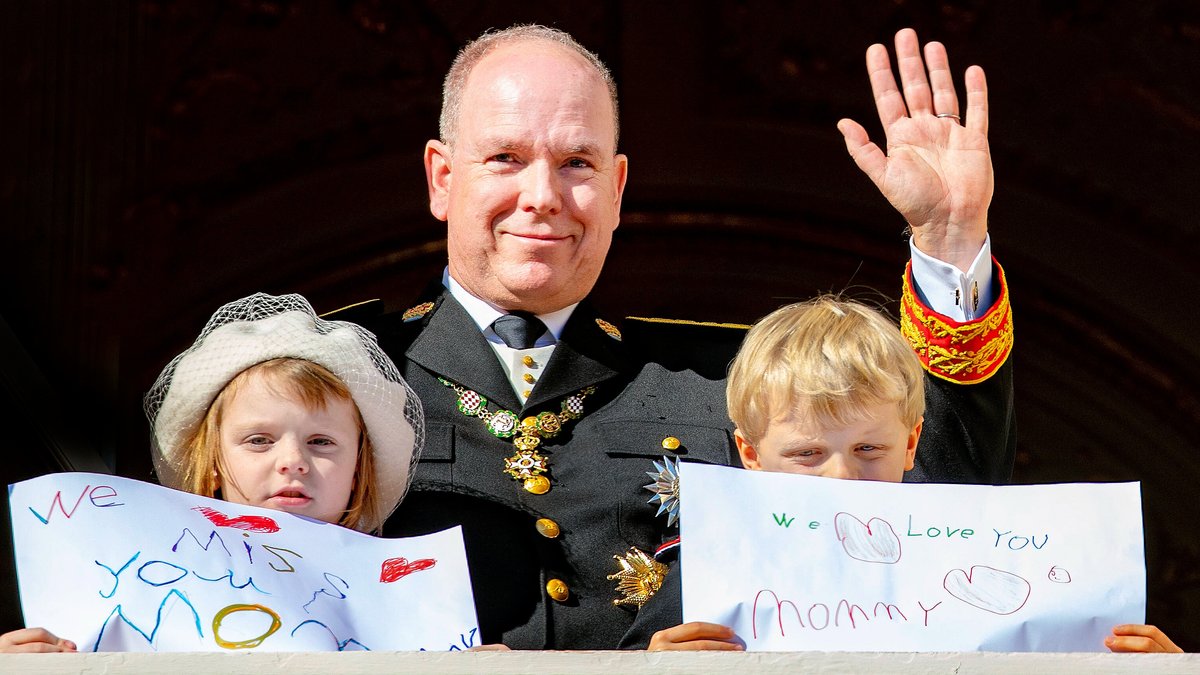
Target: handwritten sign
120 565
799 562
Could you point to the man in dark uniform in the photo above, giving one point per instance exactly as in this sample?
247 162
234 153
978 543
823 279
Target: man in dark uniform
543 419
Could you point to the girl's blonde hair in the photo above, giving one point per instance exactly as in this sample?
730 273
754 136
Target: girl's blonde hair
312 384
826 359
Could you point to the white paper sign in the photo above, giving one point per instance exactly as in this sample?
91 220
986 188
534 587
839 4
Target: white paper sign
120 565
799 562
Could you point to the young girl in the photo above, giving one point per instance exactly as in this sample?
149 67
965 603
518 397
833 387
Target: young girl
274 407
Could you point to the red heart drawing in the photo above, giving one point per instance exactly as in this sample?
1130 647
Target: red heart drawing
874 542
988 588
395 568
249 523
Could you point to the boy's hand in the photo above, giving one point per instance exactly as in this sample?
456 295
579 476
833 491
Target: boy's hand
1136 637
33 641
696 635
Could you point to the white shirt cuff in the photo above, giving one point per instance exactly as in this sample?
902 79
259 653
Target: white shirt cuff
962 296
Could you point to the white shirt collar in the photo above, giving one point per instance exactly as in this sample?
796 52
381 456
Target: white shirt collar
484 312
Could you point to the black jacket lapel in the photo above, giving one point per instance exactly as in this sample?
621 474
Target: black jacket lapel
584 356
452 346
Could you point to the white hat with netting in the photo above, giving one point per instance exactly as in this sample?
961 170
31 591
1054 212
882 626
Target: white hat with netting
262 327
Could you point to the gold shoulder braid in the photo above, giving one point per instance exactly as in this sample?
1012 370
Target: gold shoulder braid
527 464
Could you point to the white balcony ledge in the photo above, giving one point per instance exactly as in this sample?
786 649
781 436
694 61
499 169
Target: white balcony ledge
598 663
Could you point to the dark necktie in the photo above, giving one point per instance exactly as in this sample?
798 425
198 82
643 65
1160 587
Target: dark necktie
519 330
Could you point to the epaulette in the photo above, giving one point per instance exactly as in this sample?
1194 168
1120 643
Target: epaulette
612 331
966 352
359 312
704 346
417 312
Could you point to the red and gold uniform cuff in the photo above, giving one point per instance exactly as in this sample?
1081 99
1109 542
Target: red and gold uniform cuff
966 352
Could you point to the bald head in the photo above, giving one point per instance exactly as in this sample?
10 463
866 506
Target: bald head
475 51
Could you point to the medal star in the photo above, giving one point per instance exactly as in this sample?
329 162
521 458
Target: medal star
665 488
639 579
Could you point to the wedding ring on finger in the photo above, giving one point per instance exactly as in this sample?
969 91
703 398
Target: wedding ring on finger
952 116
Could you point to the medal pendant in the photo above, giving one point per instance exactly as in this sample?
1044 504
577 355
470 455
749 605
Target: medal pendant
525 464
548 424
503 424
572 407
470 403
538 485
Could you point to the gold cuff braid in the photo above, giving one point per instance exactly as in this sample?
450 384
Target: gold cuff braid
966 352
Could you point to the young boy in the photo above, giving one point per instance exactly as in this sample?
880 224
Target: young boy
831 388
827 388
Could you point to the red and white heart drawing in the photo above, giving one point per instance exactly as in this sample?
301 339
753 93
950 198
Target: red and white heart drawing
874 542
395 568
988 588
260 524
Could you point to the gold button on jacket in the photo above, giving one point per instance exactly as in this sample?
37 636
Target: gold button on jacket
557 590
547 528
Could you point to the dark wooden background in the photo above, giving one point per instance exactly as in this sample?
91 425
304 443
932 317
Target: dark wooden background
163 157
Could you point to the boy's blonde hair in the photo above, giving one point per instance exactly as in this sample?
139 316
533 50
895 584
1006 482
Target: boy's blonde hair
313 385
825 359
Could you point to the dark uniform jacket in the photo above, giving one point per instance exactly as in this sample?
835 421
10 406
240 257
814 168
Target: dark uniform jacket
654 382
